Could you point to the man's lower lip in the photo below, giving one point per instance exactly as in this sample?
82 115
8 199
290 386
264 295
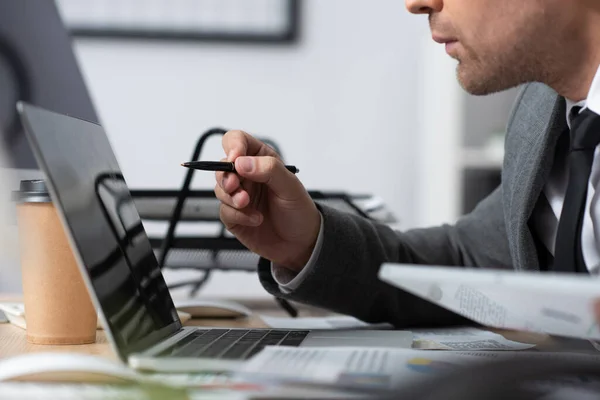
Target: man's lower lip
451 46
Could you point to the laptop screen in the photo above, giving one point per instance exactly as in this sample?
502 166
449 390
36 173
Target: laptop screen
88 189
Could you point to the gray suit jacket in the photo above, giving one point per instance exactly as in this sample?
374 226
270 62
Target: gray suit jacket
497 234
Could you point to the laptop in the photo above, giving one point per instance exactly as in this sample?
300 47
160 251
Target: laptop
121 271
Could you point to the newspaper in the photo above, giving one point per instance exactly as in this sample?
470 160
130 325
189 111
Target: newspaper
555 304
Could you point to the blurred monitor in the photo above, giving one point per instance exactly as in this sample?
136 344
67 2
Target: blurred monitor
37 65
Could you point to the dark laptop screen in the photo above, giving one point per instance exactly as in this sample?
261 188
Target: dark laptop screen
86 184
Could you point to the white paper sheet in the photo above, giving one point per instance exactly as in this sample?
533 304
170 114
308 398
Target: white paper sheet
557 304
464 339
14 313
16 309
441 339
337 322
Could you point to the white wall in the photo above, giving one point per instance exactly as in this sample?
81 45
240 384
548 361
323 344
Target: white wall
341 103
440 125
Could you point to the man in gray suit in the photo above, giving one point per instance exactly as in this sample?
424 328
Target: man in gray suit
539 219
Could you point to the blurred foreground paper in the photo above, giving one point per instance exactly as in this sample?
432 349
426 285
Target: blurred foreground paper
388 369
349 367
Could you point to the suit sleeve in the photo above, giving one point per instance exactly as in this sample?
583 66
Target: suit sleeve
343 277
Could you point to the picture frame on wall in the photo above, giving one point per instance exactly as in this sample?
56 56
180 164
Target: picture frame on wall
236 21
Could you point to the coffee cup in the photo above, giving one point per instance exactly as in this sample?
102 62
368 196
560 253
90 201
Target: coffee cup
58 307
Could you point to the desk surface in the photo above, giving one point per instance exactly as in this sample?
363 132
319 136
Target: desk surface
13 340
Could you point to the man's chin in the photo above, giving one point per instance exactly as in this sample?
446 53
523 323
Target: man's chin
477 84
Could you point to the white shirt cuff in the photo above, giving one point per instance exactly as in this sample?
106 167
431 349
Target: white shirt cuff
288 280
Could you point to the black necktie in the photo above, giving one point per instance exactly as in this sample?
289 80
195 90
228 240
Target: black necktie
585 136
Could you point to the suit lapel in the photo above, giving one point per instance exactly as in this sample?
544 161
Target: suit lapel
539 121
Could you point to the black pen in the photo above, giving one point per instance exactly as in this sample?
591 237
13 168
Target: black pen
225 166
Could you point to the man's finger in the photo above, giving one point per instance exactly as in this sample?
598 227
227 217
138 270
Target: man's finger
271 171
239 143
228 181
232 217
240 199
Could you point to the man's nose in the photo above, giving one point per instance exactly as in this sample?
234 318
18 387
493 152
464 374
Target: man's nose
424 6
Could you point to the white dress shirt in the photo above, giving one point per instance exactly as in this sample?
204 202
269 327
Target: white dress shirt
545 218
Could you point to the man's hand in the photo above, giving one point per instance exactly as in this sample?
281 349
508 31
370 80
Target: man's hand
264 205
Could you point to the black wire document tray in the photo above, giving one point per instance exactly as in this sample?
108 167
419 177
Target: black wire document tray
206 245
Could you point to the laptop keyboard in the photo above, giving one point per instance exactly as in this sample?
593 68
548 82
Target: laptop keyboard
232 344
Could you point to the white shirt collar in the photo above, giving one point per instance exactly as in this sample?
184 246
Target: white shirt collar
592 101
